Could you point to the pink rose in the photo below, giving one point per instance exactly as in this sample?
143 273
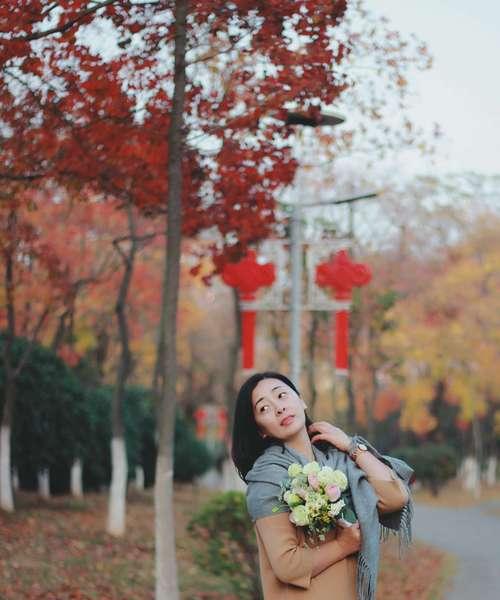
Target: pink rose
313 481
333 492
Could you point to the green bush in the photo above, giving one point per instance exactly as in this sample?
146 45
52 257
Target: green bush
225 544
47 414
192 458
434 464
62 413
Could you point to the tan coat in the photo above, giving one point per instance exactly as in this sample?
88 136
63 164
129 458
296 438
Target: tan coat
286 558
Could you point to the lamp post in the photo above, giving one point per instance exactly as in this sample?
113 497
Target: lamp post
293 118
296 273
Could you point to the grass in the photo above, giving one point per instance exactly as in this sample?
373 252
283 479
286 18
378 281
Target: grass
58 550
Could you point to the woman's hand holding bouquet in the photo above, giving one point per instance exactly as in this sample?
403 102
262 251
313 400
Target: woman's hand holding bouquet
319 499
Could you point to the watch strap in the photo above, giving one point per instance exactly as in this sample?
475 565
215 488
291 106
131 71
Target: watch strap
353 447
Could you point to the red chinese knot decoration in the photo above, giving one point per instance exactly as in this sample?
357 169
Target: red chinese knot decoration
341 275
211 422
247 277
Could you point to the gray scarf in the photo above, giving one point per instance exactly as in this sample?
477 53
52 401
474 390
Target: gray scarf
270 469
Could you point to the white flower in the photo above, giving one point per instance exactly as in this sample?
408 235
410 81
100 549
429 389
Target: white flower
311 467
336 507
299 481
339 478
299 516
325 476
294 470
292 499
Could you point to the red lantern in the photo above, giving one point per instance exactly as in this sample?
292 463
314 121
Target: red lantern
247 276
200 416
222 421
341 275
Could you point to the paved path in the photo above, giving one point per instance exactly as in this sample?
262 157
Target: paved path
473 536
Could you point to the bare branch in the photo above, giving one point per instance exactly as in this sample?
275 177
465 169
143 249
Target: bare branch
64 27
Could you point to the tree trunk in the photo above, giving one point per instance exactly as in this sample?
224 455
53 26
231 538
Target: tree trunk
44 483
76 479
229 387
118 488
6 495
311 366
370 397
139 478
158 379
167 587
478 450
15 479
491 471
351 423
119 469
471 478
61 331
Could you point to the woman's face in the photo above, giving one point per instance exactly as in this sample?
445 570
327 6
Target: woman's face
278 410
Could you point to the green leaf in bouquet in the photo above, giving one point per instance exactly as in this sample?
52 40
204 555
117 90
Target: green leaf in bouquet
349 515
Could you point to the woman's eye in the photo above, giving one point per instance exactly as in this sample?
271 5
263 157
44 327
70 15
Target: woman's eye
281 393
262 407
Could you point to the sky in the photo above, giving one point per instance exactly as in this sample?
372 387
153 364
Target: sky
461 92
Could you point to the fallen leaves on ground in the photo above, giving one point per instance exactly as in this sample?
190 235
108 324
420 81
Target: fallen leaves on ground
58 550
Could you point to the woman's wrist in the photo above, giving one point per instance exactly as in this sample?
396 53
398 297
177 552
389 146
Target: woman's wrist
350 444
345 447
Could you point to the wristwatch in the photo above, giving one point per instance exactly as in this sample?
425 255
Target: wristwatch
355 448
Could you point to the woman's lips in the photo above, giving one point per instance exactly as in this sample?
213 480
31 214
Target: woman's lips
287 421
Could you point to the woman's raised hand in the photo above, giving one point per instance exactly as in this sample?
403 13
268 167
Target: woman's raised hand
349 538
330 433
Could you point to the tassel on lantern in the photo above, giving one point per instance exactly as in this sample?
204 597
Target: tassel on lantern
341 341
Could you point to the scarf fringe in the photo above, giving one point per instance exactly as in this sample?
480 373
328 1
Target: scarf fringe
404 531
365 581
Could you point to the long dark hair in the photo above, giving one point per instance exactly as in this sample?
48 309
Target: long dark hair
247 445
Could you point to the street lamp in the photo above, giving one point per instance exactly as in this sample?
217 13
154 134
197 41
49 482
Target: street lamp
323 119
326 119
295 118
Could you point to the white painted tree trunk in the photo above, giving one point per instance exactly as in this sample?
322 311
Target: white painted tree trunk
76 479
471 476
139 478
165 552
6 495
44 484
231 481
118 489
15 479
491 471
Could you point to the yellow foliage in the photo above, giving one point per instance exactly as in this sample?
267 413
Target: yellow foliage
84 340
449 330
497 423
416 396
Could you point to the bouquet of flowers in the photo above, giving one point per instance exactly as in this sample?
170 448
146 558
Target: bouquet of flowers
319 498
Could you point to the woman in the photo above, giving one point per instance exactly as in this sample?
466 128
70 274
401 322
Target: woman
271 430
